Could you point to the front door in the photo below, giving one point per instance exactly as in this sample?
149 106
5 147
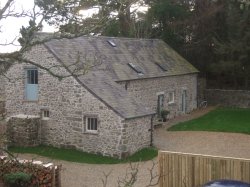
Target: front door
160 104
184 101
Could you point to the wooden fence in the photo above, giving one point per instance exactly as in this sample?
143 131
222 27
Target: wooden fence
193 170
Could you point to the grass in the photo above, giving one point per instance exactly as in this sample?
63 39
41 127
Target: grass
219 120
83 157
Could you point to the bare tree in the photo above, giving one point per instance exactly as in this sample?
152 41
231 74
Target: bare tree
130 178
58 12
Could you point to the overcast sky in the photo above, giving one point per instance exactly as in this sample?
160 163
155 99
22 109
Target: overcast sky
10 27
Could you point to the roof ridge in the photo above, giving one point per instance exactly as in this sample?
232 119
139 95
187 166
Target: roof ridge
44 34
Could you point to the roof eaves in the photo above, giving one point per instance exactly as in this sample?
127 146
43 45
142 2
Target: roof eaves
153 77
140 116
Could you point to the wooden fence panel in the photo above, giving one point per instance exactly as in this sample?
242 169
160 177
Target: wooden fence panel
193 170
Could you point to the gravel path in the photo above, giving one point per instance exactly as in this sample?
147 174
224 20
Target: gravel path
211 143
91 175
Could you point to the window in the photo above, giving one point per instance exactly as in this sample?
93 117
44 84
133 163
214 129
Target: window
45 114
137 69
112 43
32 76
163 66
91 124
31 84
171 97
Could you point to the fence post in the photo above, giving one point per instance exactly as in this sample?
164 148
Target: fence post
160 169
53 176
58 176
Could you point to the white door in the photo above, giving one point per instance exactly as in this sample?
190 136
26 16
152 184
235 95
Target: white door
31 85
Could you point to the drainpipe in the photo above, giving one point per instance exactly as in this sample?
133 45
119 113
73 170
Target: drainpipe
151 130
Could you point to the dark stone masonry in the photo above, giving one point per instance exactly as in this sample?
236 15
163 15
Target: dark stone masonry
23 130
231 98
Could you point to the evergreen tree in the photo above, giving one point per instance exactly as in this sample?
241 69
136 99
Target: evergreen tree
233 51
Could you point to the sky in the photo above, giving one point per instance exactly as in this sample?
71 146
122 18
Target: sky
10 27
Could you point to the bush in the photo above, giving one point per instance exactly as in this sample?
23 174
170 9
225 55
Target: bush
18 179
164 114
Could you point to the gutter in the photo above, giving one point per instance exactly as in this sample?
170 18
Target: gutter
151 129
154 77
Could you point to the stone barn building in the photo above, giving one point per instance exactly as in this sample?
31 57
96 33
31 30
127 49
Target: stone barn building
111 91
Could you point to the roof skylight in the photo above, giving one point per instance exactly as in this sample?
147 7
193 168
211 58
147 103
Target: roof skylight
137 69
112 43
163 66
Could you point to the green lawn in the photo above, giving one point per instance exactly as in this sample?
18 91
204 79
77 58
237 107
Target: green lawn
82 157
219 120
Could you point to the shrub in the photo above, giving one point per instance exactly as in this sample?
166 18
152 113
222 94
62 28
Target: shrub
164 114
18 179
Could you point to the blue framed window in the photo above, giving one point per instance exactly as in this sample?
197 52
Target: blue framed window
31 85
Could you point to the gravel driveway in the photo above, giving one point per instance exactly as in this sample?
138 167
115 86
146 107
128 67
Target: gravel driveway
211 143
91 175
208 143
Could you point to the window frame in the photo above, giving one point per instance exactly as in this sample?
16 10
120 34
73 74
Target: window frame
136 68
86 124
31 79
47 112
171 99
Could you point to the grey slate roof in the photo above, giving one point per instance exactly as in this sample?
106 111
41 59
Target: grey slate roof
113 66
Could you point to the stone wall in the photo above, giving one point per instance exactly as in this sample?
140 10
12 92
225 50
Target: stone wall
2 86
136 134
201 89
233 98
146 90
68 103
2 135
24 131
2 111
2 95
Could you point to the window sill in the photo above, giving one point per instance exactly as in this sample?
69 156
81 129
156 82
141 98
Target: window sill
171 103
91 132
45 118
30 101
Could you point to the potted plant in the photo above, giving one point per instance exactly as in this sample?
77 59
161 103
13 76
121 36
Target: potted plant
164 114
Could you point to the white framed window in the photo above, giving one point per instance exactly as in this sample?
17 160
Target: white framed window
171 97
91 124
45 114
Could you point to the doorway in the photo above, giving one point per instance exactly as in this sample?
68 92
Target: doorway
160 104
184 101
